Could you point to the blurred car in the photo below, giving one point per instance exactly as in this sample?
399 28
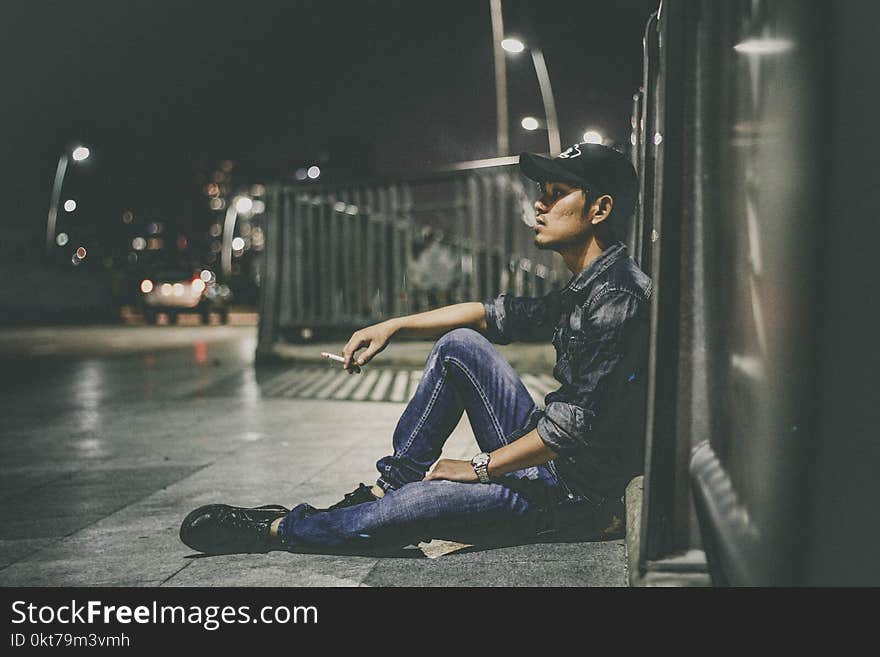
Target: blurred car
173 293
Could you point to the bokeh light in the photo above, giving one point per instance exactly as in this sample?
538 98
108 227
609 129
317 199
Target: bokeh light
243 204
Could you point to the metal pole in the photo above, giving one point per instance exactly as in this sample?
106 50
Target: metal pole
53 202
228 229
500 76
549 103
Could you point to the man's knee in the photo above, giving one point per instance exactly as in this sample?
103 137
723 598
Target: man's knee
461 342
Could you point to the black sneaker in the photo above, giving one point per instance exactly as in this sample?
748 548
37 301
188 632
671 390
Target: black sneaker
359 495
224 529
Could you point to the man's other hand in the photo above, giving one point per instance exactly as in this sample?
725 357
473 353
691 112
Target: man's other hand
453 470
375 338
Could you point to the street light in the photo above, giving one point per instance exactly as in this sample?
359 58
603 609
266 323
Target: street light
514 46
243 204
80 154
530 123
240 204
593 137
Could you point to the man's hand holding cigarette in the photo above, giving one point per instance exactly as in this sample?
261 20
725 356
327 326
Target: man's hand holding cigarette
375 338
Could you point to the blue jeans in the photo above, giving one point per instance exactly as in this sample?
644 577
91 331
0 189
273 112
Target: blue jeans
464 373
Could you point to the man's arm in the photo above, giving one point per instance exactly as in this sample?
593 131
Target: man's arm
502 319
432 323
428 324
521 453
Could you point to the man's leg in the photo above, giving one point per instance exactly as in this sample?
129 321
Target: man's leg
464 373
421 511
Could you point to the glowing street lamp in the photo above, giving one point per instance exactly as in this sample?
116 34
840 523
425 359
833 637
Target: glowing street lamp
243 204
514 46
79 154
239 205
530 123
593 137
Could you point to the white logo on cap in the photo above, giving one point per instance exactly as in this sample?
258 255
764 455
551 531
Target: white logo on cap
574 151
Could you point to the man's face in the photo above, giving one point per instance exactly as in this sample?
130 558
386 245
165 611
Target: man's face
560 219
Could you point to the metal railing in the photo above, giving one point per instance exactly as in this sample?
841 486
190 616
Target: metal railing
338 258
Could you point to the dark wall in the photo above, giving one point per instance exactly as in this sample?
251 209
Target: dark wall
843 520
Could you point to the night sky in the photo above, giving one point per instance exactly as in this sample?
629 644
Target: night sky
161 90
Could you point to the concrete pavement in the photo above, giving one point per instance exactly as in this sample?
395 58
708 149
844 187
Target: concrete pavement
104 451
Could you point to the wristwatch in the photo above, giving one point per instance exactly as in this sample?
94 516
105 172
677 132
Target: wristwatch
481 467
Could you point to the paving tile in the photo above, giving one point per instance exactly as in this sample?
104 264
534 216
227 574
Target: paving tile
275 569
463 570
17 549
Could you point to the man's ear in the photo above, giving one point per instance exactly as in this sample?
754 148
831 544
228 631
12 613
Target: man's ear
603 206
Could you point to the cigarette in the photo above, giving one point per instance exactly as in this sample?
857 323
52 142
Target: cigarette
340 359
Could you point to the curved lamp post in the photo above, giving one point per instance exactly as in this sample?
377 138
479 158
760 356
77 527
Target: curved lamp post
516 46
240 204
79 154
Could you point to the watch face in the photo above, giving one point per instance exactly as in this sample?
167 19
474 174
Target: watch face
480 459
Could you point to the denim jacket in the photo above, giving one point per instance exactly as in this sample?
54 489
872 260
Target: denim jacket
599 325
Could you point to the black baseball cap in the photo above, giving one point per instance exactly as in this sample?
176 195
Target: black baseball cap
596 168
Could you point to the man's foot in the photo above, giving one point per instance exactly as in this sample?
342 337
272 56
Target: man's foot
224 529
359 495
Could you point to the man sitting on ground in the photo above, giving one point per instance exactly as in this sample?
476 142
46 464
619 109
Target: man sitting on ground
541 473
